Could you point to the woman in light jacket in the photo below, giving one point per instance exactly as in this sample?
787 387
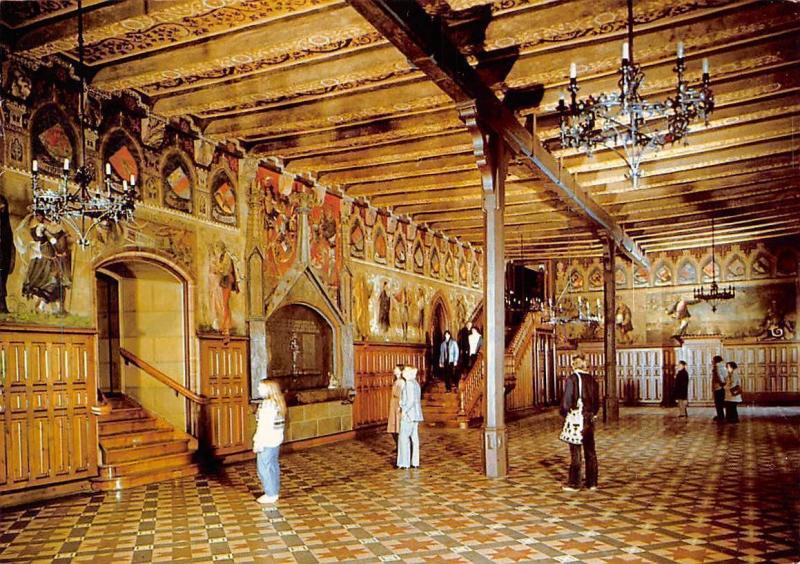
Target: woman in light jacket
393 423
268 438
733 393
410 416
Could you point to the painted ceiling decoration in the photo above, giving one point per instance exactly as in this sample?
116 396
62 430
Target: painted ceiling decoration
315 85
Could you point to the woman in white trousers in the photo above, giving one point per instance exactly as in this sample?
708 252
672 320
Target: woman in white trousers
411 415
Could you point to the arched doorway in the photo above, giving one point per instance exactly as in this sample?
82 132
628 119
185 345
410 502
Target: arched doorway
439 324
142 307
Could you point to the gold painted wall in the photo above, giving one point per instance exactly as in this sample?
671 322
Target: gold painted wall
765 276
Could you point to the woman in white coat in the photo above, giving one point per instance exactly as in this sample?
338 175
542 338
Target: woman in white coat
733 393
410 416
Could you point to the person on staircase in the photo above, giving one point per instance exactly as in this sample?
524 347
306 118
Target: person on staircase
267 440
463 348
448 361
410 417
475 344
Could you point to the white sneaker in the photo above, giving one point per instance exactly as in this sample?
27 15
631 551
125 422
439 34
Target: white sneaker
267 499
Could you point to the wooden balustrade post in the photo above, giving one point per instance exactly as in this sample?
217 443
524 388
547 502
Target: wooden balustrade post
492 160
611 404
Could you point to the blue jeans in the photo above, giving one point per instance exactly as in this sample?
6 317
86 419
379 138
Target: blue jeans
269 471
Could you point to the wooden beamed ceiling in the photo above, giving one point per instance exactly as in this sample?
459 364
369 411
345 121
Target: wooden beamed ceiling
313 83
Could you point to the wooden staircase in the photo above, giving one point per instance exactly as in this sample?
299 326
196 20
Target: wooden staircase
440 407
138 448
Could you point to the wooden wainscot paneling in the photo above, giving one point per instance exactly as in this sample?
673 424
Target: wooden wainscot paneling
374 366
48 434
769 369
224 381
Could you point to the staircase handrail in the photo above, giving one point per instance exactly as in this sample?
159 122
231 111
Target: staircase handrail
518 343
151 370
470 388
103 406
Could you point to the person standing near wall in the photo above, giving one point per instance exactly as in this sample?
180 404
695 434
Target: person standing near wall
393 423
267 440
448 360
718 386
680 390
733 393
475 343
410 417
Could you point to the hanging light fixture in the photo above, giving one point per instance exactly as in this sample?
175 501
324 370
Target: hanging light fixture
618 120
714 294
83 208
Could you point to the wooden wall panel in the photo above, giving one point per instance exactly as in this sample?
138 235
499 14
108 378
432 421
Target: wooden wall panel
47 390
225 381
769 370
374 367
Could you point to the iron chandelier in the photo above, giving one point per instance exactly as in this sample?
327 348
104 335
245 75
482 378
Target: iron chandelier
83 208
715 294
619 120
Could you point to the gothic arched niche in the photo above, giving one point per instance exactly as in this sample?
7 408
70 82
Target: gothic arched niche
419 257
178 182
300 349
379 245
436 263
121 152
223 198
400 251
52 139
357 239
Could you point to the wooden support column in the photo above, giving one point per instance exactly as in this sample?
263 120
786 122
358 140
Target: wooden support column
611 405
492 160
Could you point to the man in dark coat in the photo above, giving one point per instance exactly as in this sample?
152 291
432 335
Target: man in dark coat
590 394
680 391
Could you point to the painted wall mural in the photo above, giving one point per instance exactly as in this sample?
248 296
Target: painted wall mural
660 308
196 198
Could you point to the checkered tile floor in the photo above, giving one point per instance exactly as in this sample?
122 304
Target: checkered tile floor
671 491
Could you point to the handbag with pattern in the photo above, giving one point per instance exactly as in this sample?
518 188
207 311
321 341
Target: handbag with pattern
572 432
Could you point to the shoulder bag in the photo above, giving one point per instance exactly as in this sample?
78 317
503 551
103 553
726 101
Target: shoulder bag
572 432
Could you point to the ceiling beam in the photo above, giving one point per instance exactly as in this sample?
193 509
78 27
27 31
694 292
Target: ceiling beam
407 26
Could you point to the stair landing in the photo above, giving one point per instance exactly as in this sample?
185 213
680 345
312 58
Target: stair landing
138 448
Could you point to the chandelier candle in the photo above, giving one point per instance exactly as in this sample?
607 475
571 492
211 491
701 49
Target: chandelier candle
624 121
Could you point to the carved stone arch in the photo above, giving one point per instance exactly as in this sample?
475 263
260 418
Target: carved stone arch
178 180
663 274
576 279
706 269
53 138
357 237
380 243
687 271
762 265
400 250
735 267
418 255
435 261
786 262
113 146
224 195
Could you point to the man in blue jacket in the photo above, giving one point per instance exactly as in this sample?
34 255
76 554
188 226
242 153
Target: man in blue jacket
448 361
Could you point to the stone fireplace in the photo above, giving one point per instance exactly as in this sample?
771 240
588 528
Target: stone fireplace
300 350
